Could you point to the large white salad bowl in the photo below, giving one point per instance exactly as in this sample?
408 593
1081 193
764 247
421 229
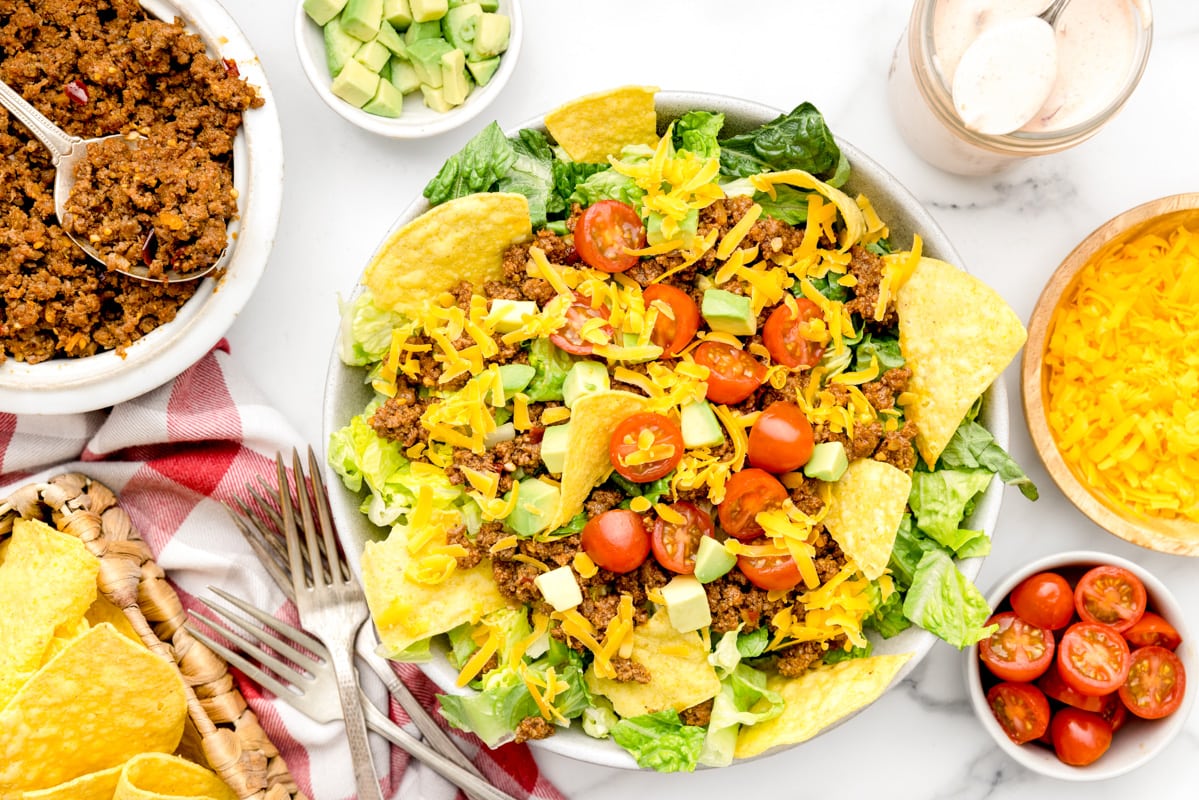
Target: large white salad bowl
347 394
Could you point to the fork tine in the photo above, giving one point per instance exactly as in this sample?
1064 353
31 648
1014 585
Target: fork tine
310 534
337 562
257 673
266 549
286 645
289 530
269 521
254 643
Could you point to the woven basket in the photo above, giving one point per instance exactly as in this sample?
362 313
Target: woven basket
222 732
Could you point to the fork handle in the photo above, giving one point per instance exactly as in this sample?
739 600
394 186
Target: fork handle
365 777
472 784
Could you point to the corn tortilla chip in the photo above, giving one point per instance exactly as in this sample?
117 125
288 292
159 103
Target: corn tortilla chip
587 463
95 705
595 126
957 336
93 786
680 675
460 240
817 699
865 510
103 610
158 776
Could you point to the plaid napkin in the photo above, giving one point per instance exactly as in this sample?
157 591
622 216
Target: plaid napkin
172 456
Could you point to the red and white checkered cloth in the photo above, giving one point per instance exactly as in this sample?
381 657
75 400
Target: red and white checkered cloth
173 455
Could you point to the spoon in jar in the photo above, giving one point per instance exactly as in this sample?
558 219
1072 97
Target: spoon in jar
67 151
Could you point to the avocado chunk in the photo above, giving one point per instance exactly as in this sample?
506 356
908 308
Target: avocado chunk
321 11
559 588
508 315
340 46
422 30
828 462
356 84
460 24
712 560
491 38
585 377
397 13
653 227
553 447
391 39
361 18
434 98
455 82
428 10
728 312
687 603
387 102
490 5
403 76
700 426
372 55
536 503
425 55
483 71
515 377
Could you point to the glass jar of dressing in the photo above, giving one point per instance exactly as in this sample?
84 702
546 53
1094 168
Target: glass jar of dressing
978 85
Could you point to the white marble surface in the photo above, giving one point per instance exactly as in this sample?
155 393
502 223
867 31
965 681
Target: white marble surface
344 187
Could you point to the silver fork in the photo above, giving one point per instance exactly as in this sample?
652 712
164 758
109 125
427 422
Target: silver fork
291 665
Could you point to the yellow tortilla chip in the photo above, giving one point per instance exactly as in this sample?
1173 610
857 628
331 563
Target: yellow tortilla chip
103 610
157 776
595 126
819 698
587 463
93 786
680 675
95 705
865 510
405 611
460 240
47 583
957 336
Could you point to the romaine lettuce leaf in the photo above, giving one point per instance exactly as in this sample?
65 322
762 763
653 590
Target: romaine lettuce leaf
743 700
942 601
551 364
697 131
475 168
365 331
973 446
660 741
531 173
607 184
798 140
939 500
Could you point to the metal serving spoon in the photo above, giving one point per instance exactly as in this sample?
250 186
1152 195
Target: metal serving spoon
67 151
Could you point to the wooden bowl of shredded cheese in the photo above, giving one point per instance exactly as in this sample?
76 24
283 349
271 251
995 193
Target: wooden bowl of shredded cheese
1110 375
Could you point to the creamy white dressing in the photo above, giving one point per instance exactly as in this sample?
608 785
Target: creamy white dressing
1006 75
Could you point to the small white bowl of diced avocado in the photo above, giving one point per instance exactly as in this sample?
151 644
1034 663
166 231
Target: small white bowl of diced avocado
408 68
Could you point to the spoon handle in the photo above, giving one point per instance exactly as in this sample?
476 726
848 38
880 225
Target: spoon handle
49 134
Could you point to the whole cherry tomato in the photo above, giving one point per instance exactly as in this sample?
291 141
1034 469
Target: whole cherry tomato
1079 737
616 540
781 439
1045 600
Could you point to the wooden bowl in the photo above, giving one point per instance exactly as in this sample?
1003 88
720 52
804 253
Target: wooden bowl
1180 537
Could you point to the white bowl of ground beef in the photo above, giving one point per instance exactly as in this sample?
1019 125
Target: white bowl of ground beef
58 356
347 394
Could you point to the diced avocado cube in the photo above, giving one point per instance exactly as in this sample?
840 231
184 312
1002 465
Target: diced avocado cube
508 315
490 5
491 38
483 71
389 38
356 84
553 447
403 75
712 560
687 603
455 82
372 55
515 377
321 11
630 340
387 102
422 30
559 588
361 18
536 502
460 24
340 46
700 426
584 377
434 99
385 71
425 55
728 312
653 227
827 463
397 13
428 10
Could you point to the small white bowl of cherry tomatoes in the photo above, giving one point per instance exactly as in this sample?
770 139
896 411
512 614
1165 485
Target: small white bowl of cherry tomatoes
1084 677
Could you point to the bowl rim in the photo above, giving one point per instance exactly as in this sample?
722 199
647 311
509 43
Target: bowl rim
572 743
1158 535
1042 760
403 127
76 385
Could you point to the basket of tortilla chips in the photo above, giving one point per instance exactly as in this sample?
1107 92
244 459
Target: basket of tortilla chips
667 431
103 694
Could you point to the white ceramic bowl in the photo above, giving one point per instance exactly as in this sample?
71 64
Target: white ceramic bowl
417 120
346 395
1139 740
72 385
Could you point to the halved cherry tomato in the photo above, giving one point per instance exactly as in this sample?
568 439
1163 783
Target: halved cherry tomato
772 573
781 438
1045 600
734 374
784 338
1110 595
678 317
616 540
1092 658
1055 688
1152 630
1021 710
1079 737
674 544
605 231
1155 684
1017 650
1114 711
645 446
747 493
569 337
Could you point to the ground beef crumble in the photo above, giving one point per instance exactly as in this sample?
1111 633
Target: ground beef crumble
534 728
